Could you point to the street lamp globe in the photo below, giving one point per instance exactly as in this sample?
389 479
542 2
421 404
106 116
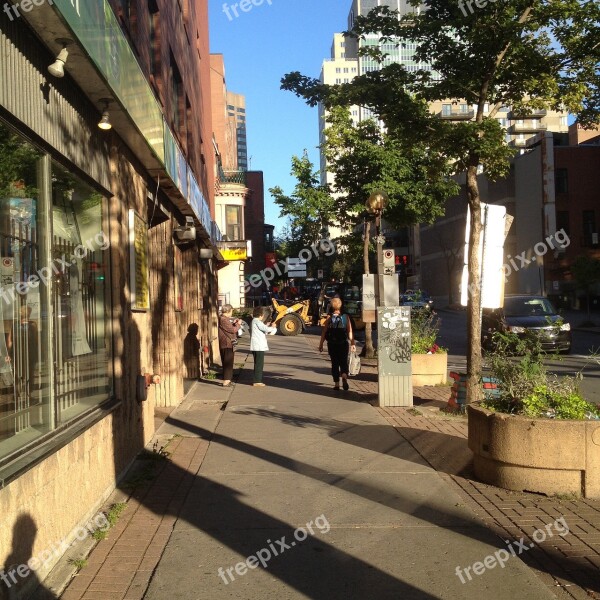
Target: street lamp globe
377 202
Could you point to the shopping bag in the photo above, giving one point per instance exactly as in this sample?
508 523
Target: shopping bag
354 364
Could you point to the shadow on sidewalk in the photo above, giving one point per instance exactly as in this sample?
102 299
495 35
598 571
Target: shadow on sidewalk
215 500
316 569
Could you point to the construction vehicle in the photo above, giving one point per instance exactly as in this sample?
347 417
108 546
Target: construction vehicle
291 319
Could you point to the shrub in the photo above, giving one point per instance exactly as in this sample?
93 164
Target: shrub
425 328
527 387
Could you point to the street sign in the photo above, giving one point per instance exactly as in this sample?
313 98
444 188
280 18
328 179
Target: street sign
295 267
491 256
389 260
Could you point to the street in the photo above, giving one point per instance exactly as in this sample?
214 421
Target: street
453 335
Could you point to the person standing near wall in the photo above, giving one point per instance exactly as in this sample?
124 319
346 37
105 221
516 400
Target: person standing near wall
228 328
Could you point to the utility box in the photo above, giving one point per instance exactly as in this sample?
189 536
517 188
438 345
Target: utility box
394 356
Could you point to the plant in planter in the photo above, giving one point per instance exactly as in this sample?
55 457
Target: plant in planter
527 387
429 360
538 433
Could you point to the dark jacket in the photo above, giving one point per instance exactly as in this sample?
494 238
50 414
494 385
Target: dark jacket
227 332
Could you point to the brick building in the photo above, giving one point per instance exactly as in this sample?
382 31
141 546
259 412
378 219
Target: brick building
106 163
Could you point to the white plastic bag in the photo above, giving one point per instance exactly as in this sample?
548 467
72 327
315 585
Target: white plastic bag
353 364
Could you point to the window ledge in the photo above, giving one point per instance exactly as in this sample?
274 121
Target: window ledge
50 443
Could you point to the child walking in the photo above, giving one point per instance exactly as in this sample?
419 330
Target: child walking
258 341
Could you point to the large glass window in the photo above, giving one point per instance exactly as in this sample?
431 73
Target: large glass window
80 296
54 305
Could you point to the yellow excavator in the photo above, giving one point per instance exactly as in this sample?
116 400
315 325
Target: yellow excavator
291 319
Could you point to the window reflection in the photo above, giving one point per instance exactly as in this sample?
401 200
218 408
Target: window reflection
46 380
80 262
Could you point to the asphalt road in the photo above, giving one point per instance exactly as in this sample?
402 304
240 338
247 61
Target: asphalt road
453 335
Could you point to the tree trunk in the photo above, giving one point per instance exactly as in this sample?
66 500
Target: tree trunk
589 305
368 350
474 359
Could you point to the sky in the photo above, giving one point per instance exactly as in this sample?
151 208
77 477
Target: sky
259 47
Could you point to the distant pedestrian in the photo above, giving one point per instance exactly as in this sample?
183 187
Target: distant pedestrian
258 340
228 328
338 333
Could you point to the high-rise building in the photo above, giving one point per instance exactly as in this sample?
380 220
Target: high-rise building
236 113
335 70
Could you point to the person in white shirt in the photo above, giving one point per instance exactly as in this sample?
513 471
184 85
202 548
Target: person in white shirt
258 341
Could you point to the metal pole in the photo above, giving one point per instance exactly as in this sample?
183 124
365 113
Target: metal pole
380 290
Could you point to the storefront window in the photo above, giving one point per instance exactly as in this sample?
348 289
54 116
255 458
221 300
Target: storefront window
79 292
53 296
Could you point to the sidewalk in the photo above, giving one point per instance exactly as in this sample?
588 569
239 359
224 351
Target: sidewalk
323 490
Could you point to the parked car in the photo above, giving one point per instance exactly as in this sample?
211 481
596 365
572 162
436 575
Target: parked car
526 314
416 299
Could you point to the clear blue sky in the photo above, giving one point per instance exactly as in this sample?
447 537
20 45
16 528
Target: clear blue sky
259 47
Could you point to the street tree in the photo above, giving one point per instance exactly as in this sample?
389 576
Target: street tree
310 208
526 54
362 158
586 272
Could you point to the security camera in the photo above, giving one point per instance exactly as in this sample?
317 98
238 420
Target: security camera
185 233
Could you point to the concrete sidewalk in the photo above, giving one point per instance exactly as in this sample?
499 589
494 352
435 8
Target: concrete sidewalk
317 485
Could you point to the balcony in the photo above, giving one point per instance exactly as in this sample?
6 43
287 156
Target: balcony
518 143
238 177
528 114
457 115
533 127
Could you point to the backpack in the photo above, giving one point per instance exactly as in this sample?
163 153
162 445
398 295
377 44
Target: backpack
336 332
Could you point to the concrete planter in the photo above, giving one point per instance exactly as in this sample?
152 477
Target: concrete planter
538 455
429 369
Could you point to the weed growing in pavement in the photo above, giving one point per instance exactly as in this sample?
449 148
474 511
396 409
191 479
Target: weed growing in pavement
79 563
210 375
112 516
160 452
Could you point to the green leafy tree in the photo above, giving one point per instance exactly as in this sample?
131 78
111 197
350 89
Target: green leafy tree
526 54
586 272
311 208
363 158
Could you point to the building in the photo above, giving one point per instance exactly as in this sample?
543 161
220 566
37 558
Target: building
236 112
335 70
109 249
552 187
239 195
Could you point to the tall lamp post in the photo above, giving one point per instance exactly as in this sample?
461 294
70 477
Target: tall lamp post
376 204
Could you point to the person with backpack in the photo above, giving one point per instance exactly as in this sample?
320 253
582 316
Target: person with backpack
339 335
